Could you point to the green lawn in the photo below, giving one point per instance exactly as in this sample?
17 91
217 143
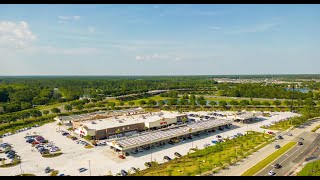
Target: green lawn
255 169
201 161
49 107
307 170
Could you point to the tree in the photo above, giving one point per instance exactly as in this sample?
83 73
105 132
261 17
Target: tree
13 107
67 107
55 110
277 103
121 103
213 103
131 103
88 106
118 131
172 102
111 105
152 102
161 103
79 107
35 113
45 112
223 103
184 119
256 103
233 102
287 103
25 105
86 101
309 103
244 103
142 102
266 103
185 96
202 102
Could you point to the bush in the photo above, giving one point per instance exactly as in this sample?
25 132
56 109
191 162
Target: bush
52 155
54 173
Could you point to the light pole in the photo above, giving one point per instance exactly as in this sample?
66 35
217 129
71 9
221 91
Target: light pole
20 165
89 167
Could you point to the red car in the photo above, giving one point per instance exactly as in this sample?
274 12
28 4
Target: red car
270 132
122 157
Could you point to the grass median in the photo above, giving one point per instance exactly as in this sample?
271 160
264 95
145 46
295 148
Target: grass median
255 169
311 169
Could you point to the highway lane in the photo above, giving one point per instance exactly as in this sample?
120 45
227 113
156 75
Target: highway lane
294 156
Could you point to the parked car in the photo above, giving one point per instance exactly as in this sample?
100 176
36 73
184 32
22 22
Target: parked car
82 170
270 132
301 139
133 169
124 173
300 143
122 157
148 164
277 146
214 142
167 158
289 134
239 134
47 170
177 154
218 136
220 140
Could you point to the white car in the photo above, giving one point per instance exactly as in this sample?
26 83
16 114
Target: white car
272 173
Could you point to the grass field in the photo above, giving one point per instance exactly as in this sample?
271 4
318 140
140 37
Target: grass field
307 170
201 161
255 169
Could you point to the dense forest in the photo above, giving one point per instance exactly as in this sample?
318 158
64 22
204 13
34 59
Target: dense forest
262 91
23 93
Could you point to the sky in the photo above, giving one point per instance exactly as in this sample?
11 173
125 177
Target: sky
159 39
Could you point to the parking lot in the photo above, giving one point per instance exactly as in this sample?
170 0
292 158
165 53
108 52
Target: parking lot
101 158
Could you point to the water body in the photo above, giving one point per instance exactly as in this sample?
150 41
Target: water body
303 90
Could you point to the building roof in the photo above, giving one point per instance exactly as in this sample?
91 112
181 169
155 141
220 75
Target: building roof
111 122
156 136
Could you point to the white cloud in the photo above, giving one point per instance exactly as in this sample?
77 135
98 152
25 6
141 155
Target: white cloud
66 19
15 35
61 51
156 57
91 29
254 29
214 27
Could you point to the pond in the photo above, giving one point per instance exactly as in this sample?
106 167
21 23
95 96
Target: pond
303 90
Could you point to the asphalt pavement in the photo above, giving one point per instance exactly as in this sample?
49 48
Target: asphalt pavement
294 156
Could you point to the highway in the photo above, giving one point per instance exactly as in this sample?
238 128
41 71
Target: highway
294 156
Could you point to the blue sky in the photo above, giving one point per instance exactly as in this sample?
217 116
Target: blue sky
159 39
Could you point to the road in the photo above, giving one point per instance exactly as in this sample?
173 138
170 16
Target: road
239 168
294 156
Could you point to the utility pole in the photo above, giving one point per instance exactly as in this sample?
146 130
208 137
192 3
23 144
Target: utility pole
89 167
